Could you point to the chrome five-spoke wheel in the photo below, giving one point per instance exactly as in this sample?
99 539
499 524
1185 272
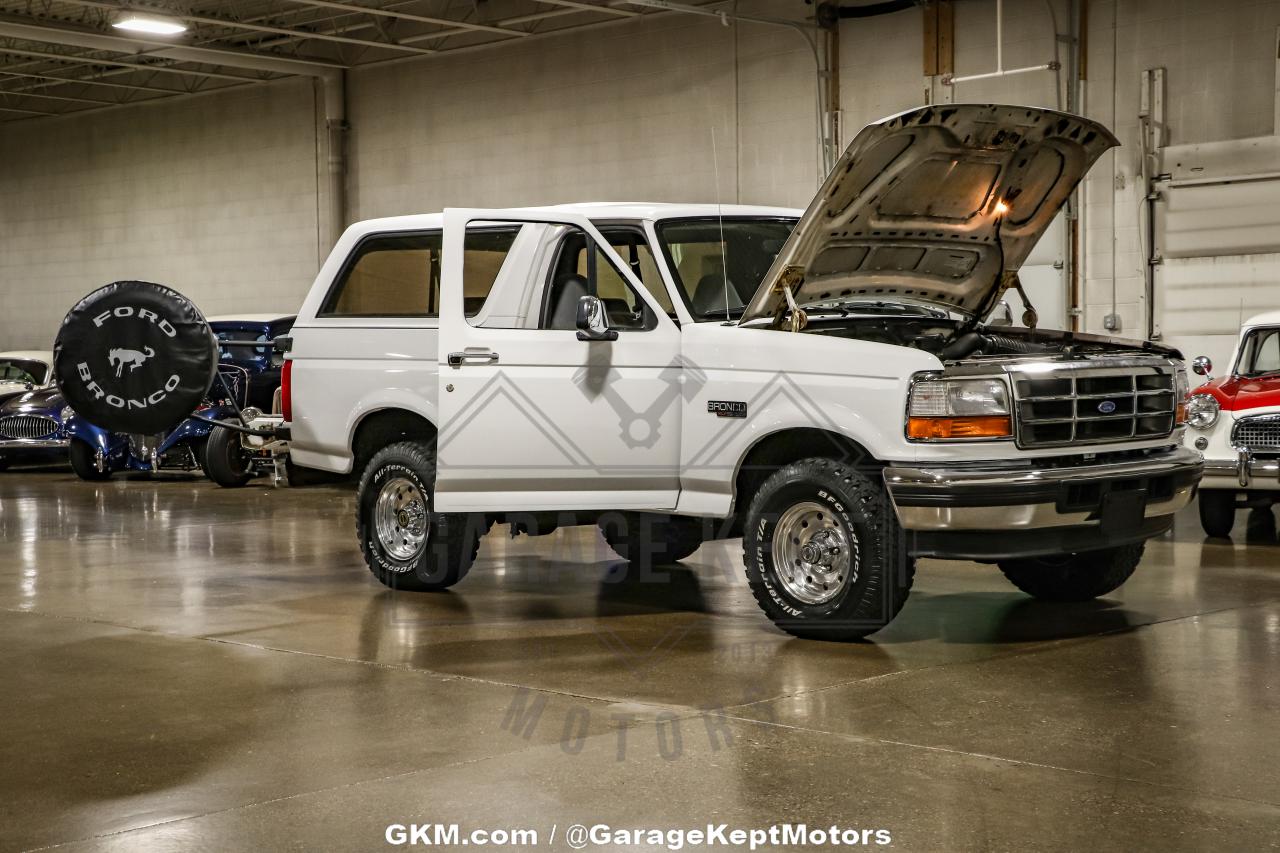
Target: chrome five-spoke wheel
401 518
813 553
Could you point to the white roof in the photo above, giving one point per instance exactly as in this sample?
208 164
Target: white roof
248 318
601 210
1267 318
29 355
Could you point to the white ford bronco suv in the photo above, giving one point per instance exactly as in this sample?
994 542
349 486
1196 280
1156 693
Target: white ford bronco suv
823 384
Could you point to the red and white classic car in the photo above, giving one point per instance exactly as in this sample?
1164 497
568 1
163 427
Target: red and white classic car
1235 423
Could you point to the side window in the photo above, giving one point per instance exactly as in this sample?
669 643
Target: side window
633 248
581 268
389 275
398 275
1266 358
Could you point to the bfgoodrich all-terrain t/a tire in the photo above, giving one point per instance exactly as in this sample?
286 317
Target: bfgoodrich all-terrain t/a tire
406 544
824 554
1074 577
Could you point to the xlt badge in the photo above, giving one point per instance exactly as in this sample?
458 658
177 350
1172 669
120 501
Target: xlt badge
727 408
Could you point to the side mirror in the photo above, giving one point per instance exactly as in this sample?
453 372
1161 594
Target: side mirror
1201 366
592 321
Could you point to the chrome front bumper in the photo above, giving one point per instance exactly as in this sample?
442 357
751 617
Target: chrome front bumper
1000 498
32 443
993 510
1246 471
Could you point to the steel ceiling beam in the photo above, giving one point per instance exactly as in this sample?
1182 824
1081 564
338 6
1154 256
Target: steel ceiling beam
588 7
87 81
407 16
117 63
23 94
26 112
255 27
165 48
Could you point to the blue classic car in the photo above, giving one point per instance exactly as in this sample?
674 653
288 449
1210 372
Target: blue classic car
250 372
33 427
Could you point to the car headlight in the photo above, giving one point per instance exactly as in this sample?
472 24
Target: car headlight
958 409
1202 411
66 413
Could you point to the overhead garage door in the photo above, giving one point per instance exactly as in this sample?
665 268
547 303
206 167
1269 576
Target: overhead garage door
1219 245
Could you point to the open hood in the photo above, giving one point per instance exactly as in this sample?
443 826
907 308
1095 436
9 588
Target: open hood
933 206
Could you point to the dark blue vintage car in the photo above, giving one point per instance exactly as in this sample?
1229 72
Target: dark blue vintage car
250 374
33 427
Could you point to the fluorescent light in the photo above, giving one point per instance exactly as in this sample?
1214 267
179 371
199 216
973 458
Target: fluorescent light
153 25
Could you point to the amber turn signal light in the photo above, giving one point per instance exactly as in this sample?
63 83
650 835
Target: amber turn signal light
998 426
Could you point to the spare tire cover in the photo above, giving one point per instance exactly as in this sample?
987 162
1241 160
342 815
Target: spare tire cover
135 357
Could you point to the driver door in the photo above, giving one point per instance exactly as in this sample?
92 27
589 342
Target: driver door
531 417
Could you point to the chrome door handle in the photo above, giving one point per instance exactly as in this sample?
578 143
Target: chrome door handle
457 359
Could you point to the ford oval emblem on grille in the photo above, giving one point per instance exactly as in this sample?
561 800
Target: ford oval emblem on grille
1107 407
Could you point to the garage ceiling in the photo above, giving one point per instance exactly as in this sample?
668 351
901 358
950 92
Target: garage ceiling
64 56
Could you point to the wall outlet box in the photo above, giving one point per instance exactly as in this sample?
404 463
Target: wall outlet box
1111 322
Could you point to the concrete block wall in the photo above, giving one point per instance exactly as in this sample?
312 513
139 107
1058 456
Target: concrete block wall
622 112
213 195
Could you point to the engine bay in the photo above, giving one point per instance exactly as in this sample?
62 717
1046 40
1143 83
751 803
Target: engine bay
954 340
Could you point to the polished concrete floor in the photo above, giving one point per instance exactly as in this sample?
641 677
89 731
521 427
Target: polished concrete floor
188 667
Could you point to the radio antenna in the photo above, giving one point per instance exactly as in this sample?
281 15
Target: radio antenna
724 247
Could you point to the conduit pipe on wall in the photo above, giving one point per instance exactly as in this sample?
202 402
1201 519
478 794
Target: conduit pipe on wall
825 111
1001 71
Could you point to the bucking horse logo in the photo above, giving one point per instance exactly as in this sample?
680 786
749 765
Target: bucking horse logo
118 358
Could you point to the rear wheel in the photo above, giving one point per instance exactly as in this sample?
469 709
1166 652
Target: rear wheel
1074 577
824 554
226 461
1217 512
405 543
651 538
85 463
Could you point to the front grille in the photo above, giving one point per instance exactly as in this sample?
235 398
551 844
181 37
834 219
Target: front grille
27 426
1260 433
1091 406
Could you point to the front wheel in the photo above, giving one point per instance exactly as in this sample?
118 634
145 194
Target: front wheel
824 554
84 461
1074 577
1217 512
226 462
405 543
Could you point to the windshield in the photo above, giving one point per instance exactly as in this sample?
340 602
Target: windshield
1260 353
699 257
23 370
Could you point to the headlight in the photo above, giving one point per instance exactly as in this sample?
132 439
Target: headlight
66 413
1202 411
958 408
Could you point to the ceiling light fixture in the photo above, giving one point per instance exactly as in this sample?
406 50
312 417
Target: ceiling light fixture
150 24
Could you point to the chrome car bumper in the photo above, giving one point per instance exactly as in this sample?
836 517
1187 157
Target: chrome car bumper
32 443
992 511
1246 471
